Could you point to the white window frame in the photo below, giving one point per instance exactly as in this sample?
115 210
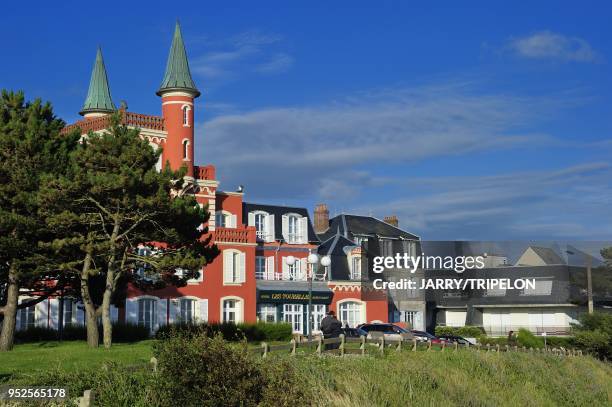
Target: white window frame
355 267
28 313
318 313
267 310
347 309
141 312
185 146
225 219
234 267
186 109
261 225
295 236
188 313
294 314
238 309
261 272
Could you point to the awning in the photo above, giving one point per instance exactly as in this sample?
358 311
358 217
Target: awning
292 292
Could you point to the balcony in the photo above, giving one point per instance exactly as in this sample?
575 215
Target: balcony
142 121
206 172
234 235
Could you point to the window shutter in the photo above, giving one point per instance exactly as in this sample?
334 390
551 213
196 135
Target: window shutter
285 269
228 264
285 228
270 232
203 317
270 268
242 267
304 268
304 229
251 219
41 314
131 310
162 312
54 312
233 221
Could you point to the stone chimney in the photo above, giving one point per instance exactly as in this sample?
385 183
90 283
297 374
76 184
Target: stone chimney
392 220
321 218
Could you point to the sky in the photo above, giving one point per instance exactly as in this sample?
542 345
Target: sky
477 121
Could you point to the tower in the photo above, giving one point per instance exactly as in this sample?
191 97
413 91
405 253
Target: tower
98 101
178 92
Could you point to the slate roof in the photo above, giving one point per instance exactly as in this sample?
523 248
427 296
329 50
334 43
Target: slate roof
334 247
178 75
548 255
351 225
98 98
278 211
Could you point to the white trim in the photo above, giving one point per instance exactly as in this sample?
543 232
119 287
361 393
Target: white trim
185 151
186 107
239 308
176 102
177 93
364 316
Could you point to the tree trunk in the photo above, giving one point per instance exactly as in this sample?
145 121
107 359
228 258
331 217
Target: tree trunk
7 336
93 335
107 326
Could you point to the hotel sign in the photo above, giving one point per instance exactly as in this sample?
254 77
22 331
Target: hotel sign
295 297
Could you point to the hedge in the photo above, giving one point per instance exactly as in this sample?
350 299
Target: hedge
122 332
465 331
252 332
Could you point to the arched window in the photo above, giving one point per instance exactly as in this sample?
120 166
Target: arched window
232 309
351 313
185 149
186 109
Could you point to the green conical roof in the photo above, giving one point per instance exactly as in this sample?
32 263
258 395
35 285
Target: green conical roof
98 96
178 76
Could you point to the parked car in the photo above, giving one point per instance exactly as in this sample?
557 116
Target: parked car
455 338
423 336
390 331
352 332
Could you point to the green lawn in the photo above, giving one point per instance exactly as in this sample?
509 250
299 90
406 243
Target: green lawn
69 356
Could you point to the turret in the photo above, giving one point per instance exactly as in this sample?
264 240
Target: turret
98 101
178 92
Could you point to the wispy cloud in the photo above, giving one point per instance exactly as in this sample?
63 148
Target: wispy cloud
248 52
550 45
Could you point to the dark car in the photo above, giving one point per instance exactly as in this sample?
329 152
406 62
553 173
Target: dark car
425 336
352 332
455 339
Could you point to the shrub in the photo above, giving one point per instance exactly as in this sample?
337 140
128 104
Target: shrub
260 331
122 332
528 339
128 332
199 370
465 331
36 334
594 334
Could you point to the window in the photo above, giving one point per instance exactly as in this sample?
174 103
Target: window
350 313
27 318
267 313
318 313
147 313
260 267
542 287
294 271
260 225
360 239
386 247
293 314
185 149
69 311
409 317
186 110
222 219
187 309
294 229
230 311
356 268
233 267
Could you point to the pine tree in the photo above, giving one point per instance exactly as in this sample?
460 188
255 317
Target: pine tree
30 147
112 201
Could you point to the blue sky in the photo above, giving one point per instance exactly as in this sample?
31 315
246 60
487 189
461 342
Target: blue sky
479 121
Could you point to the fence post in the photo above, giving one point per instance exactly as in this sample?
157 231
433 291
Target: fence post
443 346
478 347
414 344
86 400
342 344
488 347
153 362
428 346
456 346
497 348
319 345
382 345
293 347
507 348
467 344
399 345
363 344
264 347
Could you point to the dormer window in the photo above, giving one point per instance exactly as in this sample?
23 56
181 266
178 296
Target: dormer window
186 150
264 225
224 219
186 110
295 228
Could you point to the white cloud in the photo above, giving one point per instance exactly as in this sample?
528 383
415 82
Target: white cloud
549 45
248 52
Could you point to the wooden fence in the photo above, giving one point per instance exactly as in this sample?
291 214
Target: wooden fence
377 345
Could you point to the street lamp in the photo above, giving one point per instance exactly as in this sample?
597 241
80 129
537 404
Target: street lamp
312 260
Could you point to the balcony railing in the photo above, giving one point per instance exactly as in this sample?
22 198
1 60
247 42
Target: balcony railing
204 172
143 121
235 235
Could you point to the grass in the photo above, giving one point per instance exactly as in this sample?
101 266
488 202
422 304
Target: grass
68 356
464 378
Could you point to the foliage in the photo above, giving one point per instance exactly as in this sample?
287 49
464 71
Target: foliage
260 331
594 334
528 339
197 370
464 331
122 332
